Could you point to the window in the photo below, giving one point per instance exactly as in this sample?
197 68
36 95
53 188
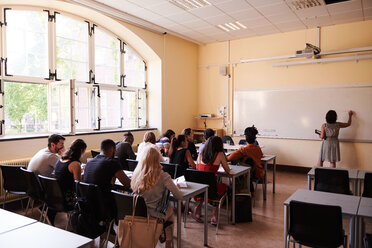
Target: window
25 107
63 74
134 69
27 43
107 58
72 49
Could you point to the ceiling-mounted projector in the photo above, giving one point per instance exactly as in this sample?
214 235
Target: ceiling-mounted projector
308 52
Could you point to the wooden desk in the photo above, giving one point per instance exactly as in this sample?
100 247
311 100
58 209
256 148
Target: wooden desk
349 206
353 177
193 189
236 171
41 235
10 221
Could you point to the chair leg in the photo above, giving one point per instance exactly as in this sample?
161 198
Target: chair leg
186 213
111 225
255 190
227 208
68 220
42 212
6 192
28 205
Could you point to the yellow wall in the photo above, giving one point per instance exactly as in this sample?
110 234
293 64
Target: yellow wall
264 75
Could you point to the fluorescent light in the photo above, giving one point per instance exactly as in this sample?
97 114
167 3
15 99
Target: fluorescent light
197 3
229 26
190 4
223 28
241 25
235 26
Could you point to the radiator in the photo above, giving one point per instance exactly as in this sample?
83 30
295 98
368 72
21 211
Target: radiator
11 197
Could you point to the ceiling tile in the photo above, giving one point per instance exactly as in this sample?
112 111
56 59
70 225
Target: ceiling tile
245 14
282 18
233 5
341 21
209 30
259 3
290 26
275 9
144 3
146 14
255 22
312 12
124 6
269 29
218 1
182 17
206 12
196 24
344 7
164 22
219 19
165 9
348 15
317 21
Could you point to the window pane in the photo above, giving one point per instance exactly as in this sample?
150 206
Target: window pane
107 58
60 109
129 109
27 43
142 116
25 107
110 109
85 108
134 69
72 48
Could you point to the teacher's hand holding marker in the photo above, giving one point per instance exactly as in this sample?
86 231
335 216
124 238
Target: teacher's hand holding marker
330 149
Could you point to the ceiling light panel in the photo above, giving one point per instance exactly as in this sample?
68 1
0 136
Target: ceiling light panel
231 26
190 4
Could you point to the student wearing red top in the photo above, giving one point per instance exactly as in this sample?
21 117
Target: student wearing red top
210 159
252 152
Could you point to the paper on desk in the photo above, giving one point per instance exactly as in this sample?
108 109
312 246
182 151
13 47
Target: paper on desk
181 181
221 169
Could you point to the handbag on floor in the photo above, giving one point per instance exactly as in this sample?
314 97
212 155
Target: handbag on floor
243 208
138 232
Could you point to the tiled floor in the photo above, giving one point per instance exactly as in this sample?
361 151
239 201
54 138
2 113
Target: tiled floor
266 230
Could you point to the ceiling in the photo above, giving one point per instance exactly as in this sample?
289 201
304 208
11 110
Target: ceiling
260 17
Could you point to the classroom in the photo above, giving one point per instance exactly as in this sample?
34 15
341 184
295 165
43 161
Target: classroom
222 64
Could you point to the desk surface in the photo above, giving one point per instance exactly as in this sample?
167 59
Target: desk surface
192 189
235 170
365 207
353 174
348 203
362 173
41 235
10 221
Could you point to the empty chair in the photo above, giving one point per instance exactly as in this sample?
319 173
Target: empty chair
94 153
225 139
132 164
124 206
209 178
331 180
34 190
316 225
171 169
367 190
53 196
14 181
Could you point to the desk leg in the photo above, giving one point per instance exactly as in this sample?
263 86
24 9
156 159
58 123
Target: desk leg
206 217
352 232
309 182
274 172
179 204
249 182
265 182
286 221
355 187
233 200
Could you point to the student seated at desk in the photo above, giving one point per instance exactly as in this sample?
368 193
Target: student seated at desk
207 134
210 159
148 140
179 154
164 141
150 181
251 151
189 134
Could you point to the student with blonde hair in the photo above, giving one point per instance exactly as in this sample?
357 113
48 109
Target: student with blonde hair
149 140
150 181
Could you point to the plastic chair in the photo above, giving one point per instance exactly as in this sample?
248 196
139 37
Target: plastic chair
367 191
54 197
225 139
34 191
331 180
171 169
14 181
94 153
124 206
316 225
132 164
209 178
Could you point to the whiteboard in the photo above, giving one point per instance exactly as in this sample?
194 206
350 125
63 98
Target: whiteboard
295 113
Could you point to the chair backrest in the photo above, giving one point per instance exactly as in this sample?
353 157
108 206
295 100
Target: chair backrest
315 224
331 180
243 142
14 179
367 191
92 197
53 194
227 138
132 164
170 168
94 153
34 189
204 177
124 205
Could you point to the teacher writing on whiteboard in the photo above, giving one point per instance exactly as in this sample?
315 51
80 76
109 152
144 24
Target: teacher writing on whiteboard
330 150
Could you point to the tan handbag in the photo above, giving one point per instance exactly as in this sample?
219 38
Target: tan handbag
139 232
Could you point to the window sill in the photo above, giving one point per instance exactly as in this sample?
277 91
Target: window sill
45 135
